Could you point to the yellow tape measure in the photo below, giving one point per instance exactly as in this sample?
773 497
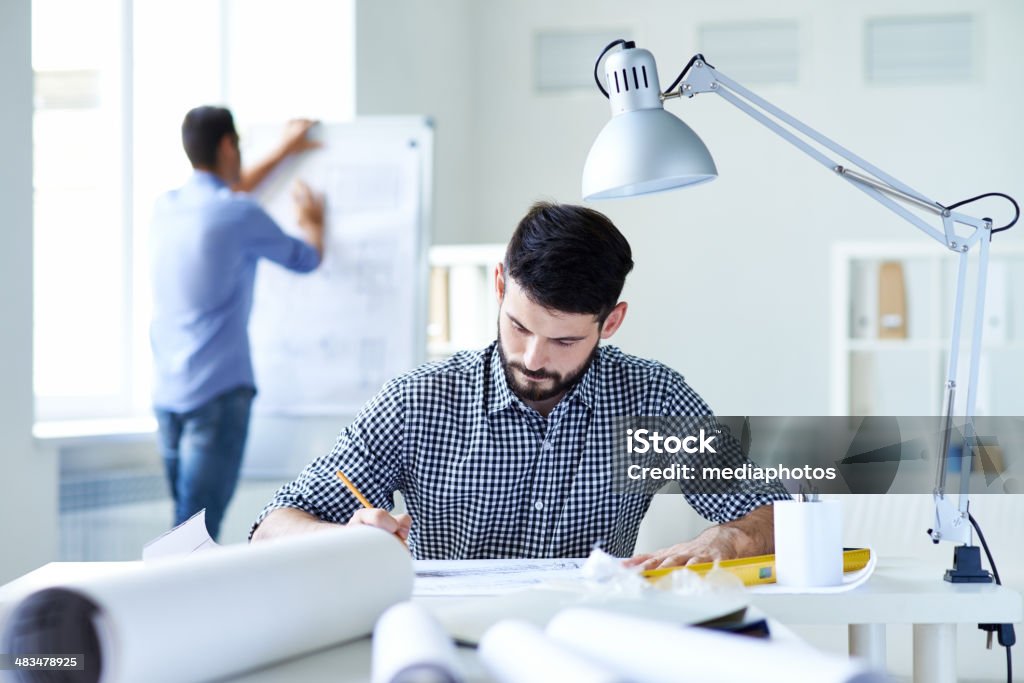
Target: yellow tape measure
760 568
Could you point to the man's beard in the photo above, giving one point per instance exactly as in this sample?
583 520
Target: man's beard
533 391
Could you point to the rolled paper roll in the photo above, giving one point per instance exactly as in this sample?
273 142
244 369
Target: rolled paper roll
660 652
515 651
410 646
211 615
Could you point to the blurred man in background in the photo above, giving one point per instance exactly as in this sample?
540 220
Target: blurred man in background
207 238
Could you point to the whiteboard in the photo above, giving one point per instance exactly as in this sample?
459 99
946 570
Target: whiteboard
325 342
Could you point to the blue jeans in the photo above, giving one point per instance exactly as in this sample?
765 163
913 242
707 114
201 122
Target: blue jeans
202 451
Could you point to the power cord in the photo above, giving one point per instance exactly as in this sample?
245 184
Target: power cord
609 46
628 45
1016 207
686 69
1005 633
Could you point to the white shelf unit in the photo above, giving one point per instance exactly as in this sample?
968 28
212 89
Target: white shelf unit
872 376
463 310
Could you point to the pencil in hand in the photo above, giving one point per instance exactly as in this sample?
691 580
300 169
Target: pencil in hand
362 499
355 492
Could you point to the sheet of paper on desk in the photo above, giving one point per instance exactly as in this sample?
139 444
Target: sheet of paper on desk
490 577
188 537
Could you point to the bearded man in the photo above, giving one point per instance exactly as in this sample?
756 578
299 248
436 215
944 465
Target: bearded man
508 451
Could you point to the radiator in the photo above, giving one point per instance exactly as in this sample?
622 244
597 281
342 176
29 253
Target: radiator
111 514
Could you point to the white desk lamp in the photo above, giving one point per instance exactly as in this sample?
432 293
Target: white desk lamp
645 149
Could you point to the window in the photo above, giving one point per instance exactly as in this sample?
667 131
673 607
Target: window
81 334
108 107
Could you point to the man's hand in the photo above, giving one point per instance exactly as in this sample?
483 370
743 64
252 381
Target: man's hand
289 522
309 206
753 534
398 525
296 137
294 141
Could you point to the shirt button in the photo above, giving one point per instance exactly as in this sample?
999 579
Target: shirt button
539 505
547 446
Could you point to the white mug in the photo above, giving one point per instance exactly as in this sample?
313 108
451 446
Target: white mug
808 543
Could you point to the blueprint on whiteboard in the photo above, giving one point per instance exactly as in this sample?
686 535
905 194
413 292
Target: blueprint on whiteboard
325 342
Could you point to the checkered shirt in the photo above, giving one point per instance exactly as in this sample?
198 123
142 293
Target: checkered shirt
485 476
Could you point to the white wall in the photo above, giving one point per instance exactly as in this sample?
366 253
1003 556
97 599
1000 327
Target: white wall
28 480
417 57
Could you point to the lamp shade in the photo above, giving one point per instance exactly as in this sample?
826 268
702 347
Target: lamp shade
644 151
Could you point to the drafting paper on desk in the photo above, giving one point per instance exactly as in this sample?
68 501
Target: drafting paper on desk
850 581
256 604
189 537
491 577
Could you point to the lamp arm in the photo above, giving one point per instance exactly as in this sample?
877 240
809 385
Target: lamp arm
951 522
876 183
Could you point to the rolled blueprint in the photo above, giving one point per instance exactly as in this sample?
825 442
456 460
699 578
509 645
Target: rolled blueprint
410 646
518 652
210 615
656 652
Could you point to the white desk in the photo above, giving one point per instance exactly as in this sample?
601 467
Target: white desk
899 592
902 592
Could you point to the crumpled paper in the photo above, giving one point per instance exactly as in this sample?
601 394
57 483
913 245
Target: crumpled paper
717 580
606 573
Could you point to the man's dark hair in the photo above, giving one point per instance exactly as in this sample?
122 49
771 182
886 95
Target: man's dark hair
201 133
569 258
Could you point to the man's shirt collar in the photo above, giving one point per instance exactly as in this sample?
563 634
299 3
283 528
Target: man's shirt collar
498 396
202 177
586 389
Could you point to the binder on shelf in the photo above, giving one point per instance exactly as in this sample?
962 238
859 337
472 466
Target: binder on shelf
864 300
437 319
892 301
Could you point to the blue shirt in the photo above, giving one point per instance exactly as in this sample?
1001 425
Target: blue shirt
205 243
